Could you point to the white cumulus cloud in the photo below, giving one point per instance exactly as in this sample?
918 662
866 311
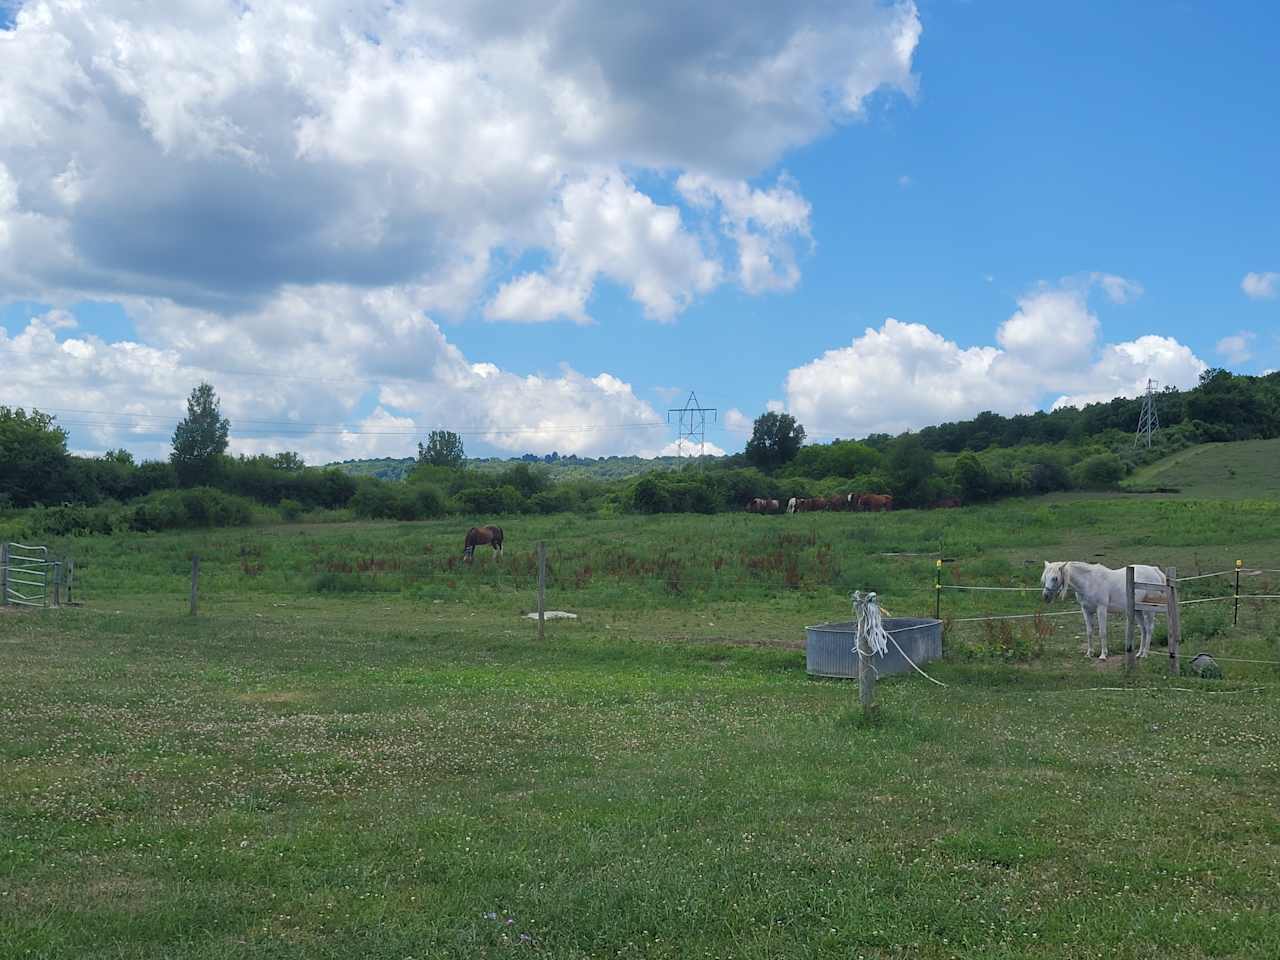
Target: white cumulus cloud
294 190
904 376
212 151
306 396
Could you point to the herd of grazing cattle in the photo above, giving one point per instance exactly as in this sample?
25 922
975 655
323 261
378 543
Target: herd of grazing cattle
843 501
858 502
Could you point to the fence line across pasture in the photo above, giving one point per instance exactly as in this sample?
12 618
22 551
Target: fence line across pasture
953 586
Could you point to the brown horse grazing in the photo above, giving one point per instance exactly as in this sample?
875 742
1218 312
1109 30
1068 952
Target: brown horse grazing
875 501
478 537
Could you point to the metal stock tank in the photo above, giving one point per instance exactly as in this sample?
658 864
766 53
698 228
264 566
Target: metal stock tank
828 648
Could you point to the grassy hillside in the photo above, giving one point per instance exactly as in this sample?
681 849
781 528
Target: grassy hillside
1244 470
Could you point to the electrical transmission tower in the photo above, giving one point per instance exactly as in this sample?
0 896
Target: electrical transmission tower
692 422
1149 419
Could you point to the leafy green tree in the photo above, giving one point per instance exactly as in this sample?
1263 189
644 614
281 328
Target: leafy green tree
200 439
34 463
776 438
971 477
910 466
443 449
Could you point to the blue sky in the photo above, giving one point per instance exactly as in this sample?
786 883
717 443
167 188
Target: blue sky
1052 203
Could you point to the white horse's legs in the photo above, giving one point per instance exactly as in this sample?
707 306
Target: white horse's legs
1147 621
1102 630
1088 631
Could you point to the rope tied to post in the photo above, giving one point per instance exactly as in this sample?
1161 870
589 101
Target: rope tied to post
869 627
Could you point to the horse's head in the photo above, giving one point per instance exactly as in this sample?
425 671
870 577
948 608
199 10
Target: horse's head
1054 581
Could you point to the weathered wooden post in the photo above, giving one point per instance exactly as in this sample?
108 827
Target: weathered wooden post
195 581
4 574
1174 619
56 577
1235 612
1129 614
866 612
866 679
542 589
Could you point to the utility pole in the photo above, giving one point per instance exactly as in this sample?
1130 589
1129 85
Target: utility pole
692 423
1149 419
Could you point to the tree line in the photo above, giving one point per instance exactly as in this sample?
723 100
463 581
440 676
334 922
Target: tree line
984 458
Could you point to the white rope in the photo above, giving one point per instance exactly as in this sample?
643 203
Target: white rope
947 586
1203 576
870 627
1186 603
1205 653
1180 689
1017 616
913 665
1258 596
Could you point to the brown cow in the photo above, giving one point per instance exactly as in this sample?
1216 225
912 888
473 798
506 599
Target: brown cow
875 502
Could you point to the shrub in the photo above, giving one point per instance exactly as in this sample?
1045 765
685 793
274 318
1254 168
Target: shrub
558 499
493 500
649 495
374 500
390 500
426 501
194 507
75 520
1099 470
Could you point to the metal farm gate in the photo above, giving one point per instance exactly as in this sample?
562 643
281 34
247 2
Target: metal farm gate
26 574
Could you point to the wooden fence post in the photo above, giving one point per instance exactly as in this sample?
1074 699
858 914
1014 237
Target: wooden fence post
866 680
1174 620
71 579
4 574
542 589
1235 611
56 576
1129 613
195 581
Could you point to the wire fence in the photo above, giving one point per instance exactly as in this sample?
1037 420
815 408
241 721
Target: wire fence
567 576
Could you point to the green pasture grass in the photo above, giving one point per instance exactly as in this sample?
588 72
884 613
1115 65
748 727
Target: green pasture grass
400 769
1247 469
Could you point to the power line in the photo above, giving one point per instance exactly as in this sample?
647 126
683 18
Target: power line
128 420
692 424
1149 419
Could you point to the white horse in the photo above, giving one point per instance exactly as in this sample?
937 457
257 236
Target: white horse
792 504
1100 589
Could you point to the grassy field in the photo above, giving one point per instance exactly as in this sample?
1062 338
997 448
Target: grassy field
359 748
1245 470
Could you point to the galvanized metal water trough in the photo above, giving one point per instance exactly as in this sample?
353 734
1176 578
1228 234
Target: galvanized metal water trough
828 648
